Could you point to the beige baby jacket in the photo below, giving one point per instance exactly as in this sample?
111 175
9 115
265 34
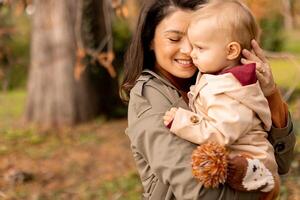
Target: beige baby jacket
226 112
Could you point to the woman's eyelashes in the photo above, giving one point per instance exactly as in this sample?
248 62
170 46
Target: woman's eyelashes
174 39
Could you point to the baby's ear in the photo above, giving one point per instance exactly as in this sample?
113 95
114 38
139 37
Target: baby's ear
233 50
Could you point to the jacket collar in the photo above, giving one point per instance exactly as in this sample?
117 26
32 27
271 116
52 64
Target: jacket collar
228 80
165 81
245 74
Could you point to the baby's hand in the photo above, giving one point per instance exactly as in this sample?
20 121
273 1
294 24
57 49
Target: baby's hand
169 116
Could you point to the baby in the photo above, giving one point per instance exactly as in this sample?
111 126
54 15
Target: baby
227 103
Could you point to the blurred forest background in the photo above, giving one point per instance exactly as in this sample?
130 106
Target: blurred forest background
61 121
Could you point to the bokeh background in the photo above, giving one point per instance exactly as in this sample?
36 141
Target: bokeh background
61 120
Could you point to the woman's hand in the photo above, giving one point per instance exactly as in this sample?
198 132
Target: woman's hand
263 69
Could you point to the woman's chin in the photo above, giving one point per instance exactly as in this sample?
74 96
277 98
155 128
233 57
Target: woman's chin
185 71
186 74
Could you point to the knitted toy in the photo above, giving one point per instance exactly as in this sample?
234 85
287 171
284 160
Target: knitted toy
212 167
247 174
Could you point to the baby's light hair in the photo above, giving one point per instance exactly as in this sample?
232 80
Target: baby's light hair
232 18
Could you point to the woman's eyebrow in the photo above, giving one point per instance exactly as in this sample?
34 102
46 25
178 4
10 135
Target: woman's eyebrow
175 31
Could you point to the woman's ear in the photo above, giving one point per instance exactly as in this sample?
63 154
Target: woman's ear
234 50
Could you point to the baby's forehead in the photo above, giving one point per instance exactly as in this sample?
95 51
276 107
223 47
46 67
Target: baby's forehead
205 25
220 15
205 31
208 20
209 23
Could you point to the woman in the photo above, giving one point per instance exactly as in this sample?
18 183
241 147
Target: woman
158 73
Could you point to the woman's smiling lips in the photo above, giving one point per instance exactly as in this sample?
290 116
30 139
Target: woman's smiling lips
185 62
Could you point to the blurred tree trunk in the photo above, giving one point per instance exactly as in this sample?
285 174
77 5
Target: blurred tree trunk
55 98
287 14
295 12
133 11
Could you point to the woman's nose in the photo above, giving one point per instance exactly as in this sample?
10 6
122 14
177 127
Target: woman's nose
186 47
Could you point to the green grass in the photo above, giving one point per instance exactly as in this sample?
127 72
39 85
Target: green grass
286 72
292 42
33 145
124 188
11 107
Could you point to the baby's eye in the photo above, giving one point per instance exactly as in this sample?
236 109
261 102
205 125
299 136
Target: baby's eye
199 47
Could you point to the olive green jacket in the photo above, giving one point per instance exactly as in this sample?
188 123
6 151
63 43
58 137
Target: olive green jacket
164 160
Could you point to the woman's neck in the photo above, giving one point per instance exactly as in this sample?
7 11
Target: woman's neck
182 84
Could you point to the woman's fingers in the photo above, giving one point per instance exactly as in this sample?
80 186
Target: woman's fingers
256 54
260 70
260 77
261 67
258 51
245 61
250 56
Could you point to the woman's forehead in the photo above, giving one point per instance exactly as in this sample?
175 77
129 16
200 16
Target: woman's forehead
176 22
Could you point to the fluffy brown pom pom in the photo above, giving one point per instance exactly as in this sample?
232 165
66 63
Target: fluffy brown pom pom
209 164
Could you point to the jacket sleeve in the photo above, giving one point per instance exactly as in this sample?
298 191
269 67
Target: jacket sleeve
279 109
281 135
226 121
283 141
167 155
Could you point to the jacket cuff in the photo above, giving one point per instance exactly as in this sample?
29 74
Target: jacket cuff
280 133
282 139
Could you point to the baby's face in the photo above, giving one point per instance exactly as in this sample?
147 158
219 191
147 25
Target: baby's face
209 46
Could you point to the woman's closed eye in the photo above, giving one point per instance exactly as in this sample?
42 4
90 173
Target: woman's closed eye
174 39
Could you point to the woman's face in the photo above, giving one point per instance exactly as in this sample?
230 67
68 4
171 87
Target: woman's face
171 46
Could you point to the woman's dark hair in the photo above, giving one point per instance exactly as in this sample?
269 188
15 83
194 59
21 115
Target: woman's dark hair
139 56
